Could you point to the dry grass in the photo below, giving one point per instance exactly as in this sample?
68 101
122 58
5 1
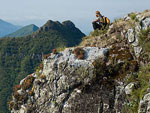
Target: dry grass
146 13
100 41
124 25
110 37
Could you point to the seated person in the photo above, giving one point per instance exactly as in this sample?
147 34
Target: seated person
98 23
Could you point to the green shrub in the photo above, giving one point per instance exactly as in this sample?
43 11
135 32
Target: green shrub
60 49
142 79
133 17
37 72
144 39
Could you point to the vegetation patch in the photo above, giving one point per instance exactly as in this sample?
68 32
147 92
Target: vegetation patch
21 98
98 32
79 53
41 66
121 62
43 76
16 87
100 66
60 48
144 41
38 71
54 51
46 56
27 83
142 79
13 105
133 17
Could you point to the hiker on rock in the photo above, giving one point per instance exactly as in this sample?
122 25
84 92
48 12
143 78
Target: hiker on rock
100 22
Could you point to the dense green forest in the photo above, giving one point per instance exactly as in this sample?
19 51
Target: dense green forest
20 56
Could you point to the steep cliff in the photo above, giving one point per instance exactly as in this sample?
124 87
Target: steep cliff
107 73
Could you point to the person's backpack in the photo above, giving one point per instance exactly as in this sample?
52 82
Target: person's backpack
106 20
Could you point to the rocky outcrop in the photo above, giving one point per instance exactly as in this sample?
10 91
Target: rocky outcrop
91 78
145 104
66 84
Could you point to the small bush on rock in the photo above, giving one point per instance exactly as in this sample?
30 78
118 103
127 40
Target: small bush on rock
54 51
133 16
16 87
61 49
13 105
41 66
79 53
46 56
43 77
27 83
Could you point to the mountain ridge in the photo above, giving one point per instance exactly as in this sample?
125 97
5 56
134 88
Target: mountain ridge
7 28
24 31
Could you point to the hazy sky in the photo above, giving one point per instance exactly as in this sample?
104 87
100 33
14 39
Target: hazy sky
81 12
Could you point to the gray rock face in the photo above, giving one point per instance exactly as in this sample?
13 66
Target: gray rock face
130 35
145 23
64 74
144 106
70 86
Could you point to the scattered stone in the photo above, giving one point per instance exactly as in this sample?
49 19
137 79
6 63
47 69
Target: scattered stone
129 88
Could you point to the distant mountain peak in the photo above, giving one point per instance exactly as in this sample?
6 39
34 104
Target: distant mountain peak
56 25
7 28
68 23
27 30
